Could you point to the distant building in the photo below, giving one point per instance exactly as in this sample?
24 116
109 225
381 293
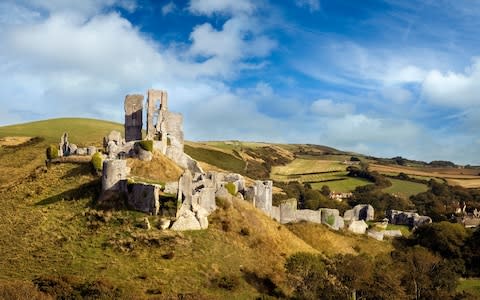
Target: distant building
339 196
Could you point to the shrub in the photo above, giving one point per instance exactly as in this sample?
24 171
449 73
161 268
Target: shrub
223 202
146 145
97 161
52 152
245 231
231 188
227 282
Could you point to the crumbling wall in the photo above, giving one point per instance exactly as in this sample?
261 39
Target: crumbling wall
133 117
411 219
262 196
114 175
364 212
157 109
144 197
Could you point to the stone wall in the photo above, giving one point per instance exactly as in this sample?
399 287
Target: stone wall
288 211
133 117
308 215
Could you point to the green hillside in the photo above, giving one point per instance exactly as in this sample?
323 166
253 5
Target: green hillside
81 131
52 233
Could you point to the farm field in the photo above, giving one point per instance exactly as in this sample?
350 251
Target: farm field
305 166
405 189
342 186
318 173
468 178
471 285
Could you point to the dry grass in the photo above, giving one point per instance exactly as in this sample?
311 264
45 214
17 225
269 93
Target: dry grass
466 183
302 166
160 168
330 243
13 140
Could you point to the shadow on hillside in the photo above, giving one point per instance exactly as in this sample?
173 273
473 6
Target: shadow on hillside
263 285
88 190
82 169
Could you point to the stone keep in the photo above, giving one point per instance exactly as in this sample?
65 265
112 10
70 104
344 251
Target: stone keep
114 175
133 117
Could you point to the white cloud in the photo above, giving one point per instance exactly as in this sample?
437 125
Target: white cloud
83 7
227 7
326 107
454 89
237 40
168 8
312 5
396 94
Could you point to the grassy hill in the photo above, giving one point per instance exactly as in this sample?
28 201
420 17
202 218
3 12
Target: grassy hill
52 233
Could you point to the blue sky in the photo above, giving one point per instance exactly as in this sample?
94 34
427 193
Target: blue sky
384 78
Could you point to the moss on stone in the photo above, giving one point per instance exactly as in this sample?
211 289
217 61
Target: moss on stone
52 152
97 161
146 145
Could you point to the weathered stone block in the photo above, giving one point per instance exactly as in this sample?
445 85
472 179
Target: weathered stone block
378 235
308 215
186 221
358 227
331 217
114 175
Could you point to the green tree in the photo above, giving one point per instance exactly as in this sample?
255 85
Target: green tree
306 275
444 238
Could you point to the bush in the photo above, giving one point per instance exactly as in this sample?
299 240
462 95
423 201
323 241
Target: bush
231 188
223 202
227 282
146 145
97 161
245 231
52 152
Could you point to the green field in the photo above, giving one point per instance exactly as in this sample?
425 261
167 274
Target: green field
404 188
342 186
81 131
471 285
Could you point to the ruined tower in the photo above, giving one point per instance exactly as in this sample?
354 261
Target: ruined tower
156 110
133 117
